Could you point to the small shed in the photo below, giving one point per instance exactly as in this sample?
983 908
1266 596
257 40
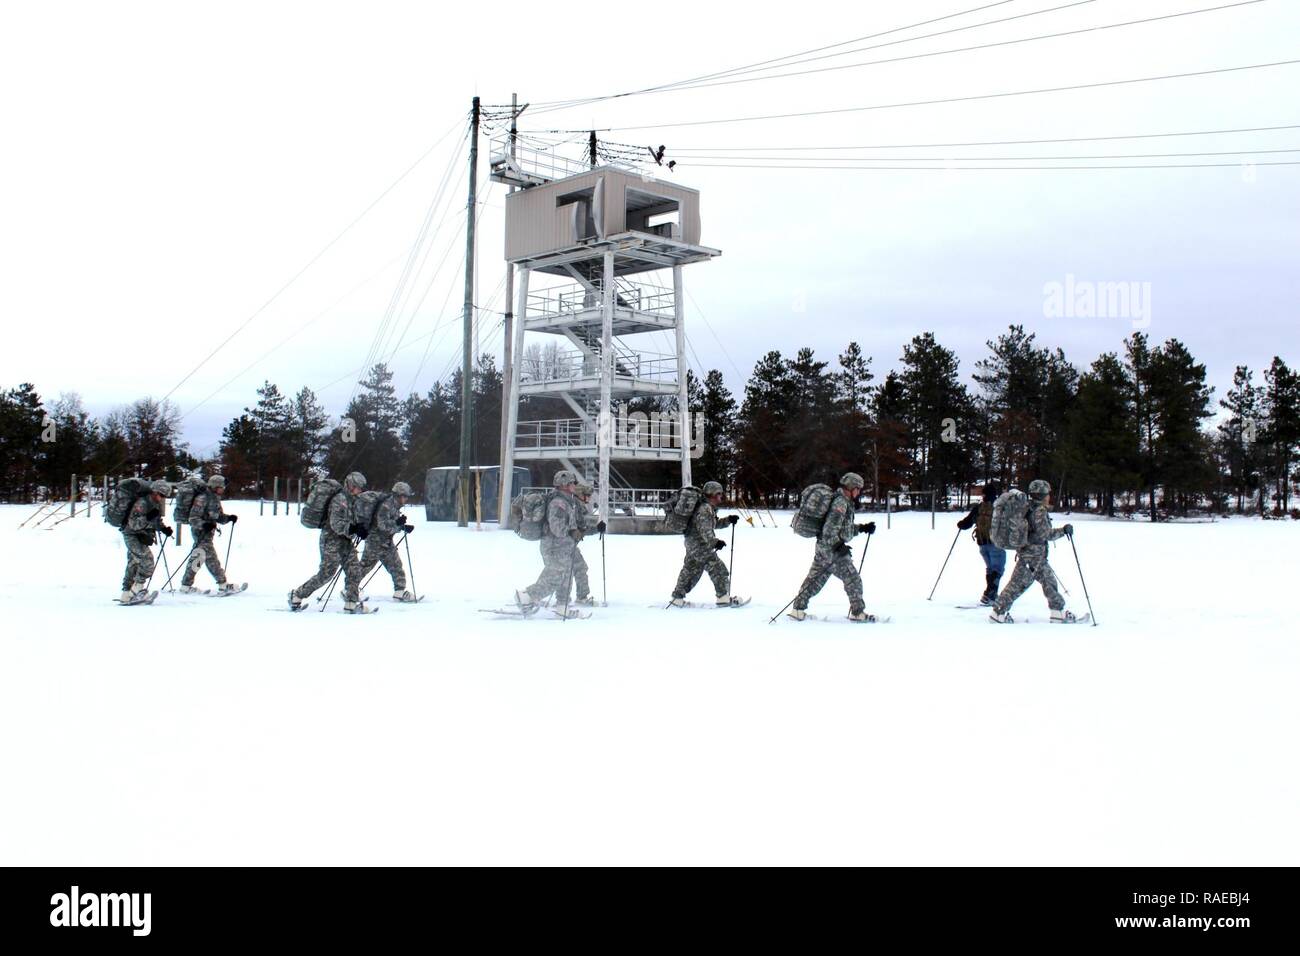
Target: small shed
440 486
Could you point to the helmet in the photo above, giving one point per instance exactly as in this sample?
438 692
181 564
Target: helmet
356 480
711 488
160 488
852 480
217 482
403 489
585 489
1039 488
564 477
991 490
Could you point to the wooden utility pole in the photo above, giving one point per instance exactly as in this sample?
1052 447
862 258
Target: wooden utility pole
466 365
507 350
591 150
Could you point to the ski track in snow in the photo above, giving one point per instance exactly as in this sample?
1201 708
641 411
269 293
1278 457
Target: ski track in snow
196 731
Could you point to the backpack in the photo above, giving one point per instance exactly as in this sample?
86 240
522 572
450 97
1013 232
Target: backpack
528 514
317 506
984 523
186 494
814 506
1009 524
367 506
125 494
681 508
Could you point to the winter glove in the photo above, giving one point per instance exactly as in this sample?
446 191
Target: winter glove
401 520
600 527
228 519
1069 530
408 528
145 537
964 523
357 531
842 548
209 526
166 530
868 528
731 519
575 534
718 544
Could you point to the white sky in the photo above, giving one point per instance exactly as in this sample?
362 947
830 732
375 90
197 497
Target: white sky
166 168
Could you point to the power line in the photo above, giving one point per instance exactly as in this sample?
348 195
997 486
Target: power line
957 99
976 159
943 169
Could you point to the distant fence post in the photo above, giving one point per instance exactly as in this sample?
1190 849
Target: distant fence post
275 496
72 496
933 496
261 501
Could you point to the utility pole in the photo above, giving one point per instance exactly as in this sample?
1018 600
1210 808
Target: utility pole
591 150
507 349
466 366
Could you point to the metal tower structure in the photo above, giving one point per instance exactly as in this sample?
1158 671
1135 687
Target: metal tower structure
616 240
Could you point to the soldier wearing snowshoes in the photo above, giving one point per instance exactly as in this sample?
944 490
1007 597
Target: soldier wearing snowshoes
995 559
380 547
587 521
204 517
702 547
140 530
1031 559
339 532
561 533
833 554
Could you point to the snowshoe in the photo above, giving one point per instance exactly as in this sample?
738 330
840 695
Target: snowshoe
405 597
227 589
524 601
862 617
1001 617
677 602
140 597
1068 617
296 603
358 607
188 589
797 614
587 601
732 600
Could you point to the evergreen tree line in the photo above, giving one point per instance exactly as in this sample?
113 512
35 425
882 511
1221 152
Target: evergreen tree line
1129 432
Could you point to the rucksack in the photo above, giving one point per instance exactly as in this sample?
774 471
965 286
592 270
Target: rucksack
1009 525
814 506
125 494
984 522
316 508
186 493
681 508
528 514
367 506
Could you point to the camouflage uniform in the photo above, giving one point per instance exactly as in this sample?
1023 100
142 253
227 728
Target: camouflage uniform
380 547
139 532
701 554
833 556
205 508
1031 562
559 550
587 522
336 548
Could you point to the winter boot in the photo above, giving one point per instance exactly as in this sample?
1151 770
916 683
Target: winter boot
225 587
1063 617
527 606
296 603
405 596
126 597
862 617
796 614
730 600
357 607
678 602
990 588
585 601
1001 617
188 589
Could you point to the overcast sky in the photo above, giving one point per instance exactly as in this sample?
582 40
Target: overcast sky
168 167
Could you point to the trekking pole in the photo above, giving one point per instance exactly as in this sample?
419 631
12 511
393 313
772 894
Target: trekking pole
162 553
945 563
864 553
178 567
325 599
406 538
226 564
731 560
778 613
1081 580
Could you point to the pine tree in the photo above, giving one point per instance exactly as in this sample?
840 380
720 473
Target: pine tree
1179 401
1100 446
1282 429
715 403
22 453
764 438
937 408
308 433
376 413
238 452
1239 434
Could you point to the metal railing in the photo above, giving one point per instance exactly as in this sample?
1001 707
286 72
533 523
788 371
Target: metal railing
569 365
546 163
631 502
562 300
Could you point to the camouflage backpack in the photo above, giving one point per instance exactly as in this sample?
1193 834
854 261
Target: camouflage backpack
1009 526
186 493
528 514
316 508
367 506
681 508
814 505
123 498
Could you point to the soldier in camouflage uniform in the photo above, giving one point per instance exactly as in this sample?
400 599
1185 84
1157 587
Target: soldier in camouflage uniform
380 547
833 554
139 532
702 549
338 535
1031 560
559 545
587 522
205 514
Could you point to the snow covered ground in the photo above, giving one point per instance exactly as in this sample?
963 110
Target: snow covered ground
228 731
